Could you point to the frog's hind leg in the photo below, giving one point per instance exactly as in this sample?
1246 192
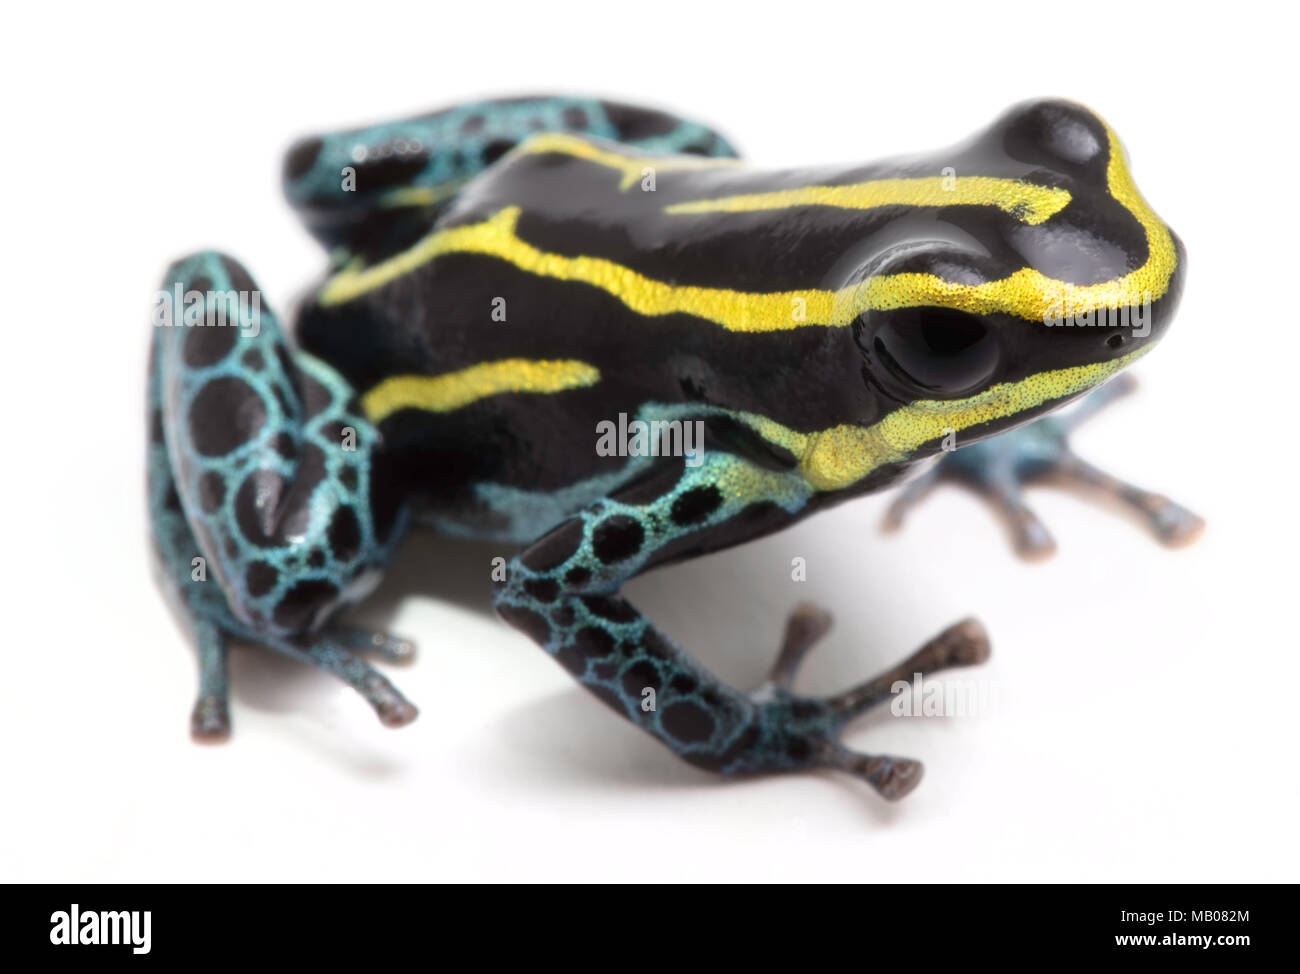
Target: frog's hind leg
371 191
268 495
562 591
998 469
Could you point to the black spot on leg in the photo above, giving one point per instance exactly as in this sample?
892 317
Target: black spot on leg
225 414
542 589
574 118
554 548
208 344
252 360
593 642
260 578
683 684
344 534
616 538
611 607
348 478
687 722
577 576
282 443
303 602
316 559
640 675
696 504
589 643
212 491
532 625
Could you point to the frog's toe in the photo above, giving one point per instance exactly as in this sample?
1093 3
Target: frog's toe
891 777
804 628
809 729
910 496
1172 524
325 652
210 718
1175 526
1029 535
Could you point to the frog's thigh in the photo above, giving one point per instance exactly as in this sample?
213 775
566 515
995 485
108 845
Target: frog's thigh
260 474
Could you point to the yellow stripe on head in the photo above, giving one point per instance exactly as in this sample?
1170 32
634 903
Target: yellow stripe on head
1024 201
1025 294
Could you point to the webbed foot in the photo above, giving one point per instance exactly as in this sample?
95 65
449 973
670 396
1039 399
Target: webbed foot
808 729
998 469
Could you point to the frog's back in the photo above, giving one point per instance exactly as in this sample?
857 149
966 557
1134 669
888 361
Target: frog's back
538 312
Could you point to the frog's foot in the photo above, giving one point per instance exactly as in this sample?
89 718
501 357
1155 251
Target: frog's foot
809 728
326 652
330 651
999 468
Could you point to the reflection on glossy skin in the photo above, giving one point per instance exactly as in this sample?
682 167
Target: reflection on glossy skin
511 278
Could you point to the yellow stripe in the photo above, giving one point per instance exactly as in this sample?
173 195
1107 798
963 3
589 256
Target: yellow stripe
1027 293
835 458
420 195
1024 201
632 167
452 390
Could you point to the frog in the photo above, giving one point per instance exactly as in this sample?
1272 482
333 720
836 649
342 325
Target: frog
514 284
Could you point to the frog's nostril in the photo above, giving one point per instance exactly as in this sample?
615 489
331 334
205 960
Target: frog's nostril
1115 341
301 157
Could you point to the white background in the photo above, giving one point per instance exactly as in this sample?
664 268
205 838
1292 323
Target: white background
1144 729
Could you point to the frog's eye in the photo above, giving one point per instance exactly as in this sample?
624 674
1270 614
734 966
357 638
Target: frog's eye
946 353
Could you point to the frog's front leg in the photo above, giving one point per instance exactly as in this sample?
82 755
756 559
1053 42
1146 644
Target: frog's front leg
563 592
267 493
998 469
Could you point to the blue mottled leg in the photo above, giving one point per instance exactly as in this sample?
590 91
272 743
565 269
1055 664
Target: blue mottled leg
998 468
372 190
267 494
562 591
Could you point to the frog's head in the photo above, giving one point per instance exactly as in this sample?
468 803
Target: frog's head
1042 276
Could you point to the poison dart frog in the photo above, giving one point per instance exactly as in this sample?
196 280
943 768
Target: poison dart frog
509 277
